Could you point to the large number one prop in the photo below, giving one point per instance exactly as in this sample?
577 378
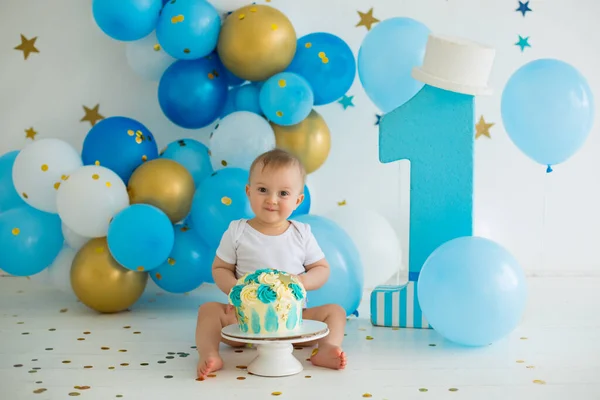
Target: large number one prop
435 131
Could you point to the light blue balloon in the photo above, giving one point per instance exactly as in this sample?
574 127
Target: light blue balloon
193 155
188 29
229 106
345 284
188 266
286 98
126 20
9 198
547 110
304 207
472 291
140 237
386 58
30 240
220 199
247 98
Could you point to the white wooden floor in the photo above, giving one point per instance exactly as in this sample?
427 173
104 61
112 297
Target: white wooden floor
52 347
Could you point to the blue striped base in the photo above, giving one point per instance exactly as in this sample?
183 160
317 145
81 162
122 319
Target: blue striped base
397 306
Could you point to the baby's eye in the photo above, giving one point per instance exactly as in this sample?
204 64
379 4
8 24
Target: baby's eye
262 190
284 193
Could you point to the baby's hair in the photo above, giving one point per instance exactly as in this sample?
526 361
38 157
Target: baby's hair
278 158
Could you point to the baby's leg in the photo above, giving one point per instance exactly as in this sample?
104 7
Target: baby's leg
212 317
329 354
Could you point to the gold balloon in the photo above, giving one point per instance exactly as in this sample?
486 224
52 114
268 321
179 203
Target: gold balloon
308 140
256 42
101 283
165 184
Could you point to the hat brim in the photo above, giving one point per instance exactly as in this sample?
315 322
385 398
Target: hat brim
434 81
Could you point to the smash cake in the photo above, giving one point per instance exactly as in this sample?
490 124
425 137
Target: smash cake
268 301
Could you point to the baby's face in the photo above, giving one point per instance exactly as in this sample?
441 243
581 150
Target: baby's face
275 193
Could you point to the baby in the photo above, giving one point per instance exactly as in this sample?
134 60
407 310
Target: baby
269 239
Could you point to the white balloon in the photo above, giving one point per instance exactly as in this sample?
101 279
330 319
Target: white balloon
59 272
239 138
376 241
147 58
39 170
90 198
73 239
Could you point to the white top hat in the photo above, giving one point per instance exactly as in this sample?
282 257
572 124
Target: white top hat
457 65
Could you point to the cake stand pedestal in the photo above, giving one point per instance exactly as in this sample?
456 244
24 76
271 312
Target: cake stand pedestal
275 356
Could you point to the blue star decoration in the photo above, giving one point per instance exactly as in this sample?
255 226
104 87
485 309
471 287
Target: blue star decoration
346 101
523 42
523 7
378 116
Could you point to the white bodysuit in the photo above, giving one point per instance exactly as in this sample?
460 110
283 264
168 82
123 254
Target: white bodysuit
249 250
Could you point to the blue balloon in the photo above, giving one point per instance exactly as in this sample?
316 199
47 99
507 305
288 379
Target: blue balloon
304 207
120 144
230 102
472 291
30 240
247 98
327 63
345 284
188 29
286 98
9 198
140 237
126 20
547 110
386 58
220 199
193 155
188 265
192 94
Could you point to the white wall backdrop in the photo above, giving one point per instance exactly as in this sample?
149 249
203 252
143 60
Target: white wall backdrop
549 222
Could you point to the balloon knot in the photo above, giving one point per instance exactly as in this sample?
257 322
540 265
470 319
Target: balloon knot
549 169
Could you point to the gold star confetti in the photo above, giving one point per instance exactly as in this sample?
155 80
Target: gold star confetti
483 128
30 133
341 203
92 115
367 19
27 46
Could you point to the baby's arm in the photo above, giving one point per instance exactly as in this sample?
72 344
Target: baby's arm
316 275
224 275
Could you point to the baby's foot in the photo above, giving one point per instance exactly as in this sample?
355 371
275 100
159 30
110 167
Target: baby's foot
329 357
208 364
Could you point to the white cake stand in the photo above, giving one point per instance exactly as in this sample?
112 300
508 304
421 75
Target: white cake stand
275 356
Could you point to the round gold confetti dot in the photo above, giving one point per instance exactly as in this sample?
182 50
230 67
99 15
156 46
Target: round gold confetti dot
242 16
325 60
156 47
111 367
18 365
158 276
432 344
127 327
276 394
20 323
369 337
367 395
273 27
523 338
80 338
104 348
308 45
241 366
137 333
171 261
124 364
25 195
530 366
241 378
40 390
66 362
539 382
282 83
130 132
122 351
168 376
177 18
88 366
140 268
16 231
95 177
108 184
520 361
321 54
73 394
52 329
453 390
56 185
97 163
279 113
138 140
44 167
423 389
224 163
144 364
308 376
49 349
226 200
119 396
211 75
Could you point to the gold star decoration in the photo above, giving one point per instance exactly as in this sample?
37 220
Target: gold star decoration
30 133
27 46
92 115
367 19
483 128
